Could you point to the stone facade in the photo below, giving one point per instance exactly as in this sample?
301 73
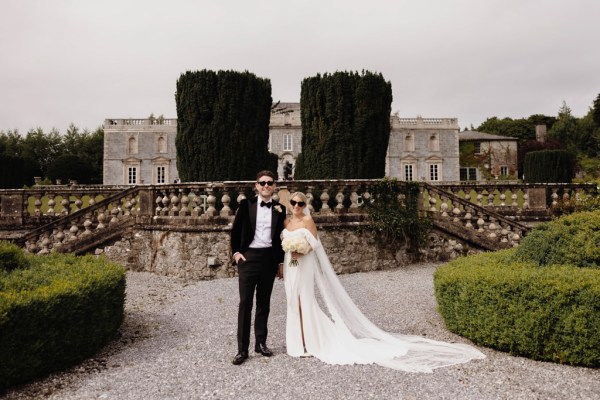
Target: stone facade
139 151
423 149
285 134
497 155
142 151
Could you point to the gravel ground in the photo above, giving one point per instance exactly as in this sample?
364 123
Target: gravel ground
178 340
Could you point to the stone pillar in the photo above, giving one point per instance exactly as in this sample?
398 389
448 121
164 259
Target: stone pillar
537 198
12 209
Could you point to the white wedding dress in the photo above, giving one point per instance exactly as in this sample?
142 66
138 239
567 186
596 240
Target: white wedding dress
347 336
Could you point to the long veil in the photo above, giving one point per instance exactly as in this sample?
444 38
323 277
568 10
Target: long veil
402 352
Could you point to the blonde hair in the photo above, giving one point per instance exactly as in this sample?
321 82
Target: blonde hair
301 195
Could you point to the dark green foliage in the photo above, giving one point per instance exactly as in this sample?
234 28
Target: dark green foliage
549 314
345 126
394 214
11 257
57 312
549 166
222 125
67 167
572 239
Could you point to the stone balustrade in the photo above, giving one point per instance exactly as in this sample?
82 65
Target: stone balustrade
56 217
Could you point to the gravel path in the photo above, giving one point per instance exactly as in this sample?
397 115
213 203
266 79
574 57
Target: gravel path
178 339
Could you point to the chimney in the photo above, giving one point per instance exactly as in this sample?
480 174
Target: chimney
541 133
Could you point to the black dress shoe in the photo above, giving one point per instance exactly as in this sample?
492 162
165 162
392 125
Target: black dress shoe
240 358
263 349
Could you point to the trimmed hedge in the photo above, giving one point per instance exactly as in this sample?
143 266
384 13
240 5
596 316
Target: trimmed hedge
56 313
11 257
572 239
550 313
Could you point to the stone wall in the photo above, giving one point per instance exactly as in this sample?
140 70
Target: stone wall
204 255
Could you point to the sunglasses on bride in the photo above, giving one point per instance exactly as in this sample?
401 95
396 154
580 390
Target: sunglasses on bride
299 203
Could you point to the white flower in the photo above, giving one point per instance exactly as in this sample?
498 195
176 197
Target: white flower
295 244
278 209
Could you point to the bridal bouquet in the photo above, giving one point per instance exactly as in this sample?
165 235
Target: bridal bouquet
295 244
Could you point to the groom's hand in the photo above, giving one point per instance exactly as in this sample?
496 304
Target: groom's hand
280 271
238 256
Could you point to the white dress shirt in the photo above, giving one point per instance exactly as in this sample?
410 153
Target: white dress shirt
262 233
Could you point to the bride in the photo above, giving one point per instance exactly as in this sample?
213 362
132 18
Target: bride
344 335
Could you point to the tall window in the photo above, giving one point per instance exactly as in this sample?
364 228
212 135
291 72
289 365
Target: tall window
132 175
503 170
287 142
408 172
434 172
160 174
477 147
409 143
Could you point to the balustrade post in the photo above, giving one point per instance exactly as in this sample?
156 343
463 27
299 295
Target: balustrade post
87 225
492 228
354 207
325 209
37 205
479 197
59 236
490 198
339 198
309 199
468 216
226 210
444 206
174 204
73 231
51 203
211 211
101 218
78 203
185 202
65 206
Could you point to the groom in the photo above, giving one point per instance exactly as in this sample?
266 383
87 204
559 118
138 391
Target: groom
256 248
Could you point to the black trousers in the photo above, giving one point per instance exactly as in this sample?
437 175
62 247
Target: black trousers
256 274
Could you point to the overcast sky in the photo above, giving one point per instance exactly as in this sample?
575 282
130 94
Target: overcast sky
84 61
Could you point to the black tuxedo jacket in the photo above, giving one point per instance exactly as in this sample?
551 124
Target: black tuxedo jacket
244 225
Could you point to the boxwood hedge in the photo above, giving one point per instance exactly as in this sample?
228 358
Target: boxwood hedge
573 239
58 311
545 313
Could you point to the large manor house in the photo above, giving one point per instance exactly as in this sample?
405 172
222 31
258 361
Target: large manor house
142 151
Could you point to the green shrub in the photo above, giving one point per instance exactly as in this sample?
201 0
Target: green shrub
56 313
11 257
550 313
572 239
547 166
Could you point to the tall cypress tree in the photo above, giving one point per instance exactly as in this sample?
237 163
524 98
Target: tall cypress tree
222 125
345 126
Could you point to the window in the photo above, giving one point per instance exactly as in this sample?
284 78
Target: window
434 143
434 172
160 174
468 174
132 175
408 172
503 170
287 142
477 147
409 143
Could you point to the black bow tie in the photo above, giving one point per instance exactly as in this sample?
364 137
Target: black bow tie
263 204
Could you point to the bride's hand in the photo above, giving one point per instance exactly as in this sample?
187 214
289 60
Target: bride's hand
296 255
